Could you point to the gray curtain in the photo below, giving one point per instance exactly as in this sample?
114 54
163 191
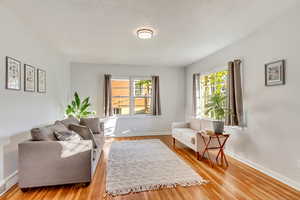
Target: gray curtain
156 108
196 90
234 95
107 96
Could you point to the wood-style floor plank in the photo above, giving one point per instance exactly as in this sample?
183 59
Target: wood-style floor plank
236 182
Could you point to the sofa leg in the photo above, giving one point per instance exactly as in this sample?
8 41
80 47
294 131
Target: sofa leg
24 189
198 156
86 184
174 143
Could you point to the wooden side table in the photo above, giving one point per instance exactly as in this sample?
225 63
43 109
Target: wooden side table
208 142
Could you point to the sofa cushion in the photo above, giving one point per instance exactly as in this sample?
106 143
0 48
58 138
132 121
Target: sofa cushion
84 132
206 124
195 124
67 136
47 132
69 120
92 123
184 130
186 136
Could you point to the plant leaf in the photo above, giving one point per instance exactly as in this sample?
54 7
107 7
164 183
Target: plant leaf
77 99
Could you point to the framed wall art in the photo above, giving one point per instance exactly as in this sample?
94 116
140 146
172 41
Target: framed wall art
41 81
275 73
13 74
29 78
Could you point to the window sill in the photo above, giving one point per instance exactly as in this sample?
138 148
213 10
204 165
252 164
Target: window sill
134 116
234 127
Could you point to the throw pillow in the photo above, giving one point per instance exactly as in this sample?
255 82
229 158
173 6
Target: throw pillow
68 121
58 126
42 134
92 123
84 132
46 133
67 136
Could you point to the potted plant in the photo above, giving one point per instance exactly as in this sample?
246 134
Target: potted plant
78 108
216 109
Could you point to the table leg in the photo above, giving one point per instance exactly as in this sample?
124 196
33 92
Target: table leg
206 150
225 158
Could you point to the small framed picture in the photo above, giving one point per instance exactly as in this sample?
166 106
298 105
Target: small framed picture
29 78
275 73
41 80
13 74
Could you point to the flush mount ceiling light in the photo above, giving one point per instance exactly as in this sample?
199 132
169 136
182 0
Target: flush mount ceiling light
144 33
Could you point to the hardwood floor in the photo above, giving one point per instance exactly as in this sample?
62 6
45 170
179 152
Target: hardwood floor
238 181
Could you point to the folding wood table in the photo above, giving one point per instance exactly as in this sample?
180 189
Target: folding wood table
216 142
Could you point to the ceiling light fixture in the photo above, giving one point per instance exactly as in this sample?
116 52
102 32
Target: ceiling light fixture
144 33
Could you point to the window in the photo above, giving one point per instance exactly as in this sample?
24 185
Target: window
131 96
210 84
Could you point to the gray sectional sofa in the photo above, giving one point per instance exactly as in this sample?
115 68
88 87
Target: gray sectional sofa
46 161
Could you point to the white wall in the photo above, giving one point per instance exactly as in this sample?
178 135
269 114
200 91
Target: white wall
271 139
88 80
20 111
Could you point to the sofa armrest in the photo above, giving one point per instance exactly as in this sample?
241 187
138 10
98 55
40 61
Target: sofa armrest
54 162
180 125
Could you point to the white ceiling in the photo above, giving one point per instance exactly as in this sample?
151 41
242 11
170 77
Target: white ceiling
103 31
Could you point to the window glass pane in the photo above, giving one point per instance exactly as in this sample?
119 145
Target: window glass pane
120 106
120 92
142 105
142 87
117 83
210 84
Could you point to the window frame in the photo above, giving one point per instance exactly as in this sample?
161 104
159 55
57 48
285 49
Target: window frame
217 69
132 96
198 88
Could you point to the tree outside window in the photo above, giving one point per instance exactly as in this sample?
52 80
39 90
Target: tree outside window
213 84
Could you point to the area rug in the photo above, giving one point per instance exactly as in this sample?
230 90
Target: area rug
143 165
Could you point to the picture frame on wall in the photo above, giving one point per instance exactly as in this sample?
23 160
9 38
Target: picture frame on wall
13 74
275 73
29 78
41 80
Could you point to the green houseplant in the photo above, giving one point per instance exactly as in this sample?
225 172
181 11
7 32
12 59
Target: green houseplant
78 108
216 108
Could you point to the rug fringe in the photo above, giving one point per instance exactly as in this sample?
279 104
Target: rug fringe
145 188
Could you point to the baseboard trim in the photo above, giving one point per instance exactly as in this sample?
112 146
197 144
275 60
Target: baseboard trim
141 133
8 182
266 171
